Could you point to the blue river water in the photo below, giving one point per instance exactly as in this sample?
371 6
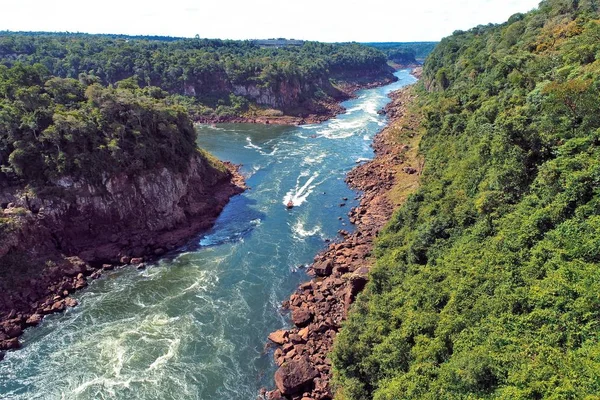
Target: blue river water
194 324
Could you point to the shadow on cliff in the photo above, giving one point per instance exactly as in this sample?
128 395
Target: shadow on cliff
236 222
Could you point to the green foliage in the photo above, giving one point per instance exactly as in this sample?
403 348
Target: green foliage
53 127
207 70
408 52
487 279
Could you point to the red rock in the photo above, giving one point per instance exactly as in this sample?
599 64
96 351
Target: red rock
58 306
301 317
291 354
294 376
295 339
304 333
12 329
274 395
10 344
323 268
279 337
71 302
35 319
80 283
287 347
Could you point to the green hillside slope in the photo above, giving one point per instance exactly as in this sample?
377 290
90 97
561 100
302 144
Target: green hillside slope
487 284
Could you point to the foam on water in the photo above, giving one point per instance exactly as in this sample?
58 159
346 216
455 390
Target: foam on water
299 194
300 232
312 159
194 324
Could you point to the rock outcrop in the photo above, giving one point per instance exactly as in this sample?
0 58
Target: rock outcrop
296 104
60 239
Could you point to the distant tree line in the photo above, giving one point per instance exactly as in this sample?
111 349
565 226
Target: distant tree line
202 68
405 52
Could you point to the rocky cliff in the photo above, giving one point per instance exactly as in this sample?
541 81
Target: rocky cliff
53 239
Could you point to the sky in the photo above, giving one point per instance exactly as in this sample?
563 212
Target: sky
322 20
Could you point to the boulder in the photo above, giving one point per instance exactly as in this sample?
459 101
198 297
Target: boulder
58 306
279 337
9 344
304 333
71 302
301 317
323 268
294 376
358 280
34 320
274 395
80 283
12 330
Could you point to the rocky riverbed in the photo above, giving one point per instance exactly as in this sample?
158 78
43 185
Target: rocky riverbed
318 308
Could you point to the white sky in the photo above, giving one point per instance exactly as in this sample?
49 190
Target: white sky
323 20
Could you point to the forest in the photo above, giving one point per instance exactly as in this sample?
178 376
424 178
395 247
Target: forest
52 127
202 74
85 105
487 280
404 53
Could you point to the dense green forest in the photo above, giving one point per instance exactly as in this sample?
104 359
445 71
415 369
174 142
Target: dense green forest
52 127
90 105
487 281
405 52
205 71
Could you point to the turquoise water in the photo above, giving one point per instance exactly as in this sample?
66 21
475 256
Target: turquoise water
194 324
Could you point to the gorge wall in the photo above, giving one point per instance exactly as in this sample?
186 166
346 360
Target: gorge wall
53 241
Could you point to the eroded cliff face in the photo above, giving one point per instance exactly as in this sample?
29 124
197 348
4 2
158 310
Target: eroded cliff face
51 242
122 216
286 95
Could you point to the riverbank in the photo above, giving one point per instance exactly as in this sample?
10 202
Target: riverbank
44 287
329 108
319 307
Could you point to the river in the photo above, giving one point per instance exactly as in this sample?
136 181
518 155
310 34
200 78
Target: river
194 324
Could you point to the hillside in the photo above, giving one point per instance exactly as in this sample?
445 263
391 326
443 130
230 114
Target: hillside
404 53
92 175
215 79
486 280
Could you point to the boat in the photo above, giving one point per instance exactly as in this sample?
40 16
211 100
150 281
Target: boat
290 204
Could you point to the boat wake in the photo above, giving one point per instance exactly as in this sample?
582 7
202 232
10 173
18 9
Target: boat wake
299 194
